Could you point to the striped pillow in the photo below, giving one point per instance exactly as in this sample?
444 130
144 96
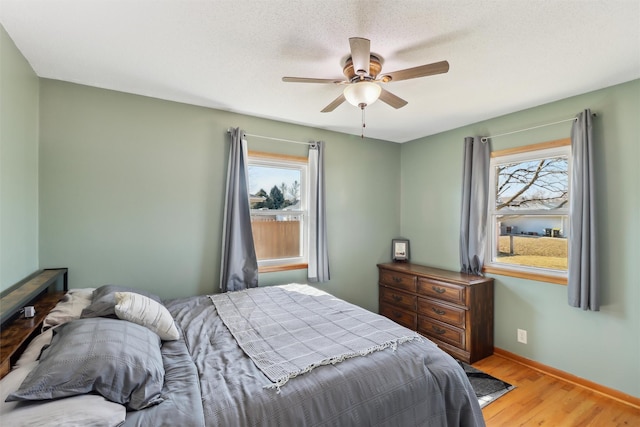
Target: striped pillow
146 312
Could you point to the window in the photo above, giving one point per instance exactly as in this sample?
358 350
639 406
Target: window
529 212
278 201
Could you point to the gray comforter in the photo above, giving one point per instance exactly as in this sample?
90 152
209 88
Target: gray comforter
415 385
182 404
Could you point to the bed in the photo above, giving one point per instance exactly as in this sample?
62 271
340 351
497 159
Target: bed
109 357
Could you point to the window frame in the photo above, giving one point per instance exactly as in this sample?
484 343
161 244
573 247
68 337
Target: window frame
539 151
258 158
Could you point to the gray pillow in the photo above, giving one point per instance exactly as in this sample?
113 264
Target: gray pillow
115 358
104 300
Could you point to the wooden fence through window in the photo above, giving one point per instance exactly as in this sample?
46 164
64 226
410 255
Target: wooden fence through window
276 239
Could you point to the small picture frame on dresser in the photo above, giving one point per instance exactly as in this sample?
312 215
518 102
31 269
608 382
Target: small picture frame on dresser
400 250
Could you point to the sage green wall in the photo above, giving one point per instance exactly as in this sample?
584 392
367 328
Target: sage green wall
603 346
132 192
18 165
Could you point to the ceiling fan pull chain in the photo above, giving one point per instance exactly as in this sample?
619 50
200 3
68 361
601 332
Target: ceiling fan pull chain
363 124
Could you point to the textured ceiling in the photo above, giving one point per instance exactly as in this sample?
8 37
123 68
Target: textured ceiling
504 55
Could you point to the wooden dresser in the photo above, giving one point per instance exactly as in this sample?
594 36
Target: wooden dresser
454 310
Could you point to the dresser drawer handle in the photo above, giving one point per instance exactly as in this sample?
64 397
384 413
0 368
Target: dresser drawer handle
397 279
438 311
439 290
396 298
397 314
438 330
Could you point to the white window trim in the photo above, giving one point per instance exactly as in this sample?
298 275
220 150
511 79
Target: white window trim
287 162
492 231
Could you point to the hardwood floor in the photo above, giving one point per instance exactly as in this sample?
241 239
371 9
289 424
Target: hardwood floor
543 400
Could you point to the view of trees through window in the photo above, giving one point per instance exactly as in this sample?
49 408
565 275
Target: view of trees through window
279 197
276 201
530 213
537 184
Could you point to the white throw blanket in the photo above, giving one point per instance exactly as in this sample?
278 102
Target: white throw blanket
291 329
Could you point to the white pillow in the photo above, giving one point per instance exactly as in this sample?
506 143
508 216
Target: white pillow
83 410
146 312
68 308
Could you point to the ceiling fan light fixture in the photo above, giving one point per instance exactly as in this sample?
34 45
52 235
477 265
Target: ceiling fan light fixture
363 92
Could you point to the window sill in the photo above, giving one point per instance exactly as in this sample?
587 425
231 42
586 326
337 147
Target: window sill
558 280
286 267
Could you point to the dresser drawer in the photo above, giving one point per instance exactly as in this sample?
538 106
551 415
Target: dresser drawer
441 290
442 312
442 331
398 298
405 318
402 281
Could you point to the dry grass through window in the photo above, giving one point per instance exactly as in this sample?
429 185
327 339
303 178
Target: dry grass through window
543 252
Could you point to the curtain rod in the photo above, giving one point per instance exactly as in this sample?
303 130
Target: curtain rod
573 119
274 139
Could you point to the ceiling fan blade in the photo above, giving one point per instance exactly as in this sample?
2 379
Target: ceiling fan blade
420 71
391 99
334 104
360 55
309 80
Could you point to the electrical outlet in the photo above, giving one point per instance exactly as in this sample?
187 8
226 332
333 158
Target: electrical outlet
522 336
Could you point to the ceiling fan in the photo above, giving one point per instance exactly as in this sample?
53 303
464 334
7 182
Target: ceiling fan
363 72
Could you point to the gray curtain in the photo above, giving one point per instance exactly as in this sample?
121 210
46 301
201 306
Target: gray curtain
239 269
318 269
473 215
583 283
